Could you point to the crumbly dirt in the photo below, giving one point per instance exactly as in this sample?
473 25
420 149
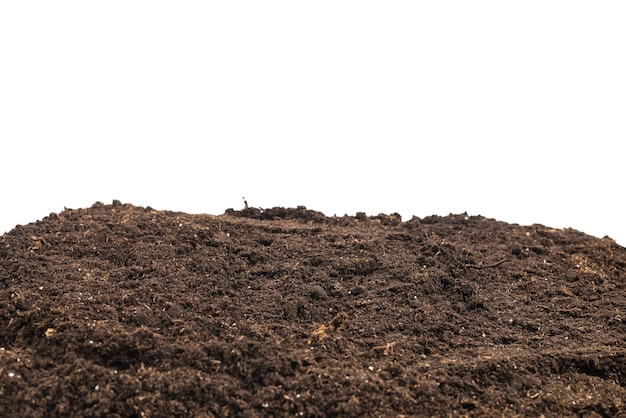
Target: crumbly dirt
119 310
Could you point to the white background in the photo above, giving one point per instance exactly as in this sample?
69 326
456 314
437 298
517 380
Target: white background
511 110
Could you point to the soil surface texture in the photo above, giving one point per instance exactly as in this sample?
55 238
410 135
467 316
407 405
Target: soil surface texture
124 311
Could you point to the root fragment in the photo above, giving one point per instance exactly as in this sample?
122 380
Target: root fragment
386 349
323 332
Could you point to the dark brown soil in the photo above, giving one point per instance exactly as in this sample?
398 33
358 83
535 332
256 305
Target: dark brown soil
124 311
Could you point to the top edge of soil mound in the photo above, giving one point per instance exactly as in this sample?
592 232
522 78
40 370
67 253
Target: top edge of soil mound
304 215
301 214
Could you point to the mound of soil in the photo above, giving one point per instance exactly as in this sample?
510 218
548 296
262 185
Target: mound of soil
118 310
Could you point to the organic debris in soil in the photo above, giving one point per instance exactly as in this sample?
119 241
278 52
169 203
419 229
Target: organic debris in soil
118 310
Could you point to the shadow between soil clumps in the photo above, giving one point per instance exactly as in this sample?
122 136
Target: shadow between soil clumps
119 310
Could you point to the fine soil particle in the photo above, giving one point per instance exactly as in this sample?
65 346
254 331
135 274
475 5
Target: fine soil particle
122 311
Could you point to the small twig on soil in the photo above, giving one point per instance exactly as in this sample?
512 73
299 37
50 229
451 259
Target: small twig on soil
386 349
487 266
323 331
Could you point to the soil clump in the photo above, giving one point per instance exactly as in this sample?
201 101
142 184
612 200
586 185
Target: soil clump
118 310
